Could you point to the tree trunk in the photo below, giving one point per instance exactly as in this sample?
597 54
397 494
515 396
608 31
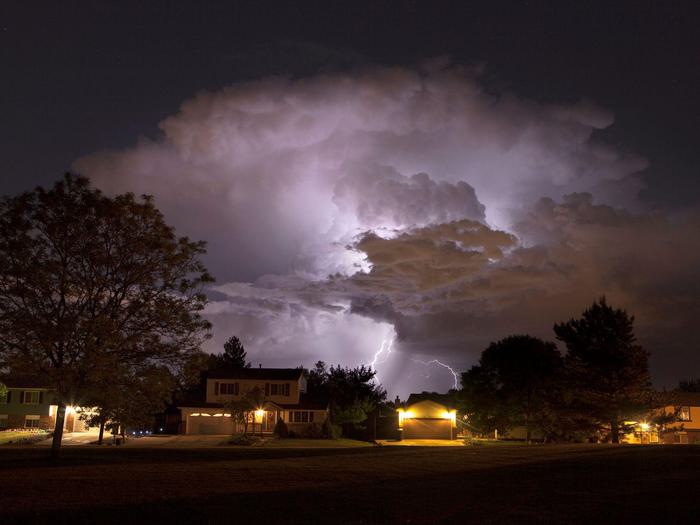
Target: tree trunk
615 430
58 430
102 431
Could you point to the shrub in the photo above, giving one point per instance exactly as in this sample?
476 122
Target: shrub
329 430
281 429
313 431
243 440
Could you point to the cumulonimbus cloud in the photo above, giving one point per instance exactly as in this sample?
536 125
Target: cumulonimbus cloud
400 202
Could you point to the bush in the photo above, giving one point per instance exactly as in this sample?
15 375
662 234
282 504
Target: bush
313 431
281 429
329 430
243 440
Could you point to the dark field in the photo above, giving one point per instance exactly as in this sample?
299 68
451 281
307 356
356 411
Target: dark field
506 484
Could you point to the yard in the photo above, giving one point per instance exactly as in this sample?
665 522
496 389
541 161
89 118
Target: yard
567 483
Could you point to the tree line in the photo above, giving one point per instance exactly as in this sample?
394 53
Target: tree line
600 384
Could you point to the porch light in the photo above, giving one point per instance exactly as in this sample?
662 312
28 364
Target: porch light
404 414
451 415
259 413
644 426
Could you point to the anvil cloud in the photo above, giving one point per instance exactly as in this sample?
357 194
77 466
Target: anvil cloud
343 211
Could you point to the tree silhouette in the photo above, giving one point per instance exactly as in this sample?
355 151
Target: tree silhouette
515 384
607 371
234 356
92 285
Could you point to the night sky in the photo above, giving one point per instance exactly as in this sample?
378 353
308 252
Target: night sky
406 179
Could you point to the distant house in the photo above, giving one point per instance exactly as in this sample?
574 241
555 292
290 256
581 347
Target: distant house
285 398
684 410
685 406
26 405
428 416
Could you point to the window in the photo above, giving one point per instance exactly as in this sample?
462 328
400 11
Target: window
683 413
301 416
228 389
3 421
279 389
31 421
31 397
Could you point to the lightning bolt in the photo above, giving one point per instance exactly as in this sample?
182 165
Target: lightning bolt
440 363
385 347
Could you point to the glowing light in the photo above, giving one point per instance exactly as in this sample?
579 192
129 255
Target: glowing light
259 413
195 414
405 414
218 415
644 426
451 415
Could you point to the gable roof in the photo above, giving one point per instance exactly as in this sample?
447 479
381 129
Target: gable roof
443 399
271 374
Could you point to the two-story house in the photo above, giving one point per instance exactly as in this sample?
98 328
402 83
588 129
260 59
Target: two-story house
28 406
284 397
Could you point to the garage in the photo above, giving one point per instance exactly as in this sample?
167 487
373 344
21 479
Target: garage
427 416
198 424
427 429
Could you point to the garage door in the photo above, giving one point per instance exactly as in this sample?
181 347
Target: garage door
208 425
427 429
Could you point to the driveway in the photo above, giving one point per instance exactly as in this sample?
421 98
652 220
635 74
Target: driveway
421 443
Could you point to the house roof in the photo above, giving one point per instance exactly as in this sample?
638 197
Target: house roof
684 398
444 399
272 374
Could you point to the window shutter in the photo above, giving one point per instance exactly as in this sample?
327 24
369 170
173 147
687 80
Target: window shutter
21 396
311 416
267 389
9 397
216 388
41 397
286 389
235 389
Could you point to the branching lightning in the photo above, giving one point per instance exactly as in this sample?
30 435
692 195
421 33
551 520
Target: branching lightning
440 363
385 349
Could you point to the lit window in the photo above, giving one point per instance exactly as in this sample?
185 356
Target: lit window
31 421
684 414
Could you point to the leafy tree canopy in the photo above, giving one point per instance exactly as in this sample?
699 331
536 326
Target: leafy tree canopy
89 282
514 384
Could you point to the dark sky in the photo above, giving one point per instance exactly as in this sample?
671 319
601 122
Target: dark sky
83 76
578 136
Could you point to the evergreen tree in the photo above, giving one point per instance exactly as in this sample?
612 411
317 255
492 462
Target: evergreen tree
607 372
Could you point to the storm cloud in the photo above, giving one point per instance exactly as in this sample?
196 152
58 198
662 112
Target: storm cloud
397 216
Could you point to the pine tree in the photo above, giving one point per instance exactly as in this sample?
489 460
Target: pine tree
607 371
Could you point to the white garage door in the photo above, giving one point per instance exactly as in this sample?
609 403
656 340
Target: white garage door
208 425
427 429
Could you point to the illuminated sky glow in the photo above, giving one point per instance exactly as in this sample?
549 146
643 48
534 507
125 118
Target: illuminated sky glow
403 217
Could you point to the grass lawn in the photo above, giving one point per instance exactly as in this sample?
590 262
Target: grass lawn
21 436
504 484
316 443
